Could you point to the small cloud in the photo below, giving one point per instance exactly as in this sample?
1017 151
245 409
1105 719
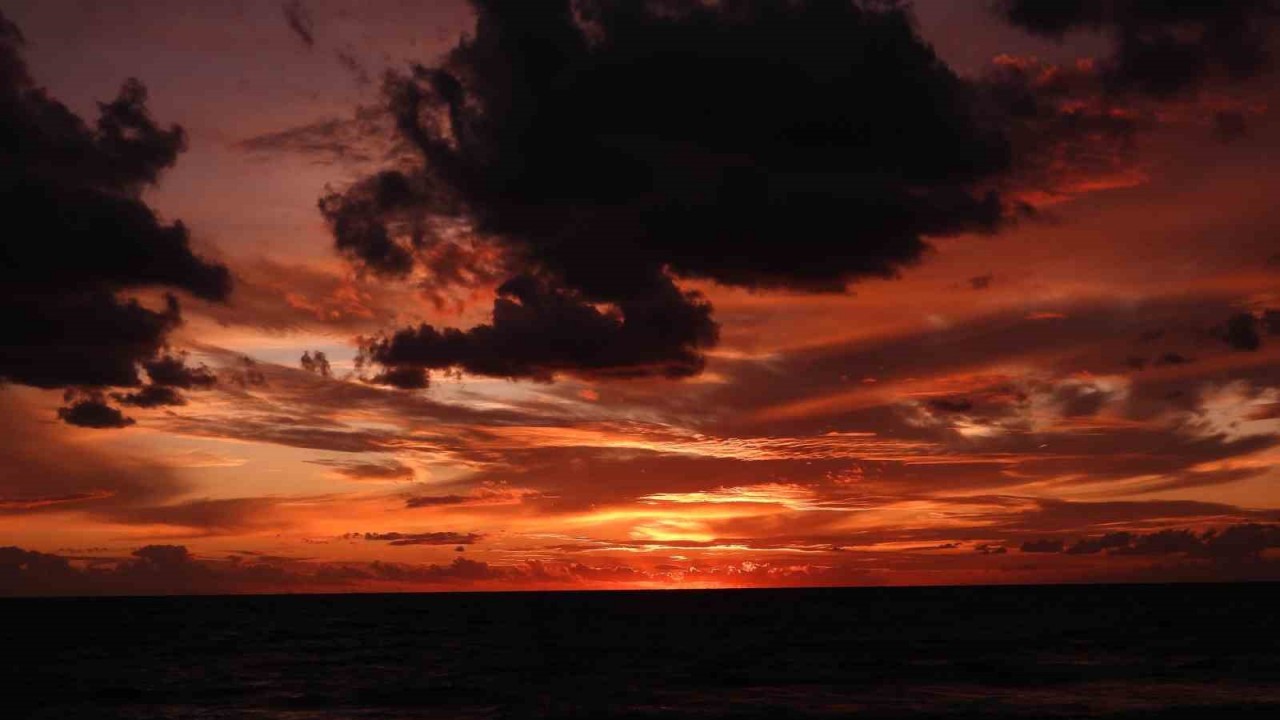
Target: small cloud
299 20
981 282
92 411
1041 546
397 539
1242 333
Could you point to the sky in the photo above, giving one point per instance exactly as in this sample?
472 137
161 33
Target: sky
393 295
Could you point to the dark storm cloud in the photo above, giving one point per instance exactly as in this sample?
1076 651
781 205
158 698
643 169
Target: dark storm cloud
1161 47
603 145
80 234
300 22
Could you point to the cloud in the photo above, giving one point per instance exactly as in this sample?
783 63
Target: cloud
1041 546
604 148
172 371
43 469
168 373
951 405
1161 48
397 539
491 493
151 396
380 470
364 137
1091 546
981 282
317 363
1242 332
1069 135
1246 541
352 65
82 235
300 22
92 411
204 516
539 330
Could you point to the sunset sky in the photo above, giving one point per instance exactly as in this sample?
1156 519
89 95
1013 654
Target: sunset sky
746 293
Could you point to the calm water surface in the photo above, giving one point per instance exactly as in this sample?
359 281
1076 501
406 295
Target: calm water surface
1182 651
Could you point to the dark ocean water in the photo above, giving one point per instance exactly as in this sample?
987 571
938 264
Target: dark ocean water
1182 651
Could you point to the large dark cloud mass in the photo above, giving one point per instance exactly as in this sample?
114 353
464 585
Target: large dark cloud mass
1235 542
538 330
604 147
80 234
1161 46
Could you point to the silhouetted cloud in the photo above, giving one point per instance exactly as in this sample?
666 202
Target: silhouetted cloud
202 516
602 146
430 538
1091 546
353 65
951 405
151 396
173 371
300 22
1245 541
247 374
1242 332
92 411
1041 546
379 470
1161 47
317 363
361 138
436 500
81 234
539 330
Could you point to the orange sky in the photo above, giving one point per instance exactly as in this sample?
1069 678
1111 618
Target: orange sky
1063 379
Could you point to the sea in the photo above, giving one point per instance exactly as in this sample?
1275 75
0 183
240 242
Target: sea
1079 651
